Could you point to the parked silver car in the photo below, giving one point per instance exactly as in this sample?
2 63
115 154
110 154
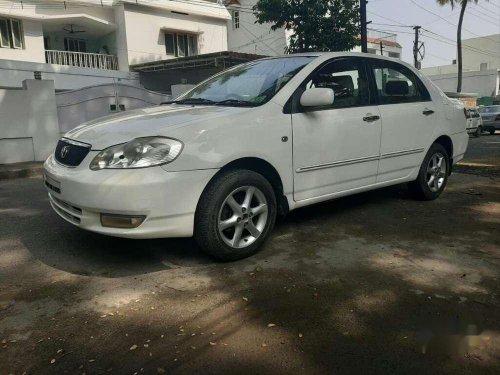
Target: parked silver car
491 118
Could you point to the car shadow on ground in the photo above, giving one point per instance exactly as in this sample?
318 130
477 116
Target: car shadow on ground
61 245
394 306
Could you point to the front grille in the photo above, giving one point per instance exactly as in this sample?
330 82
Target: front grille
67 215
67 206
52 187
71 153
66 210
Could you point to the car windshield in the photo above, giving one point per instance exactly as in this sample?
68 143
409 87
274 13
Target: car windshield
492 109
250 84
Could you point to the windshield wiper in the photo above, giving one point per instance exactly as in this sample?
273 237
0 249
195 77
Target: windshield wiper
238 102
194 101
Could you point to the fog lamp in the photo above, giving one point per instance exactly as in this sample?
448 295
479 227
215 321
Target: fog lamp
121 221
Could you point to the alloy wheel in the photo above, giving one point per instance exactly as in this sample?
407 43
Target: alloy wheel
243 217
436 172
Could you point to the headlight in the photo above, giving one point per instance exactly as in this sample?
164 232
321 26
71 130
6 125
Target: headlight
138 153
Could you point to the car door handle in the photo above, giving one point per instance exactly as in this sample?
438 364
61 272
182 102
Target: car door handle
428 112
370 118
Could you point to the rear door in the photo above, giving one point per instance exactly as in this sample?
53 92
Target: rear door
408 117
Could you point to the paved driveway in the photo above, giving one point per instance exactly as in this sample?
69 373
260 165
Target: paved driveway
371 283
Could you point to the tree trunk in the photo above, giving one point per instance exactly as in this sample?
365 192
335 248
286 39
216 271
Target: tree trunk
459 45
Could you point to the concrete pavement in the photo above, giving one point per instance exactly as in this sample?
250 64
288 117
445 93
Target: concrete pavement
373 283
20 170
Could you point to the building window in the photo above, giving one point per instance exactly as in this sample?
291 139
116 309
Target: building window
181 45
75 45
236 19
11 33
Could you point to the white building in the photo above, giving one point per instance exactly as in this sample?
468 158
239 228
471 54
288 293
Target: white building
68 40
481 68
382 43
246 36
479 51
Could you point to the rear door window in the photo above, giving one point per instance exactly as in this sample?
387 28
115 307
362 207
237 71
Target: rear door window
397 84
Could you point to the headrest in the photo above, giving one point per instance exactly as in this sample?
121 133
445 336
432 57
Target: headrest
397 88
344 81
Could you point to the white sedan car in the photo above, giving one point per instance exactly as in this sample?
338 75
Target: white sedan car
255 141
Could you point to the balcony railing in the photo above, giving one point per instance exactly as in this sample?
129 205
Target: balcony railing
82 59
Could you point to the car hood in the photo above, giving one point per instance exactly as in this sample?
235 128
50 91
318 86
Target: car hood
152 121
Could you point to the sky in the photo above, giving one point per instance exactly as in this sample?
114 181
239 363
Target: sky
480 20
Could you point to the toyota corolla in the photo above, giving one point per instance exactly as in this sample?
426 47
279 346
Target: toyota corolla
253 142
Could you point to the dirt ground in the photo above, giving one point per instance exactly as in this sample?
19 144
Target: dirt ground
373 283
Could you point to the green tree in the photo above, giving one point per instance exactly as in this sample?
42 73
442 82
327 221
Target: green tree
317 25
463 5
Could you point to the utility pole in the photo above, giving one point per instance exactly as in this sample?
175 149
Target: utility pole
381 49
364 33
416 47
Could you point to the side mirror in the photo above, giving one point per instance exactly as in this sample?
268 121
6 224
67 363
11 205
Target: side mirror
317 97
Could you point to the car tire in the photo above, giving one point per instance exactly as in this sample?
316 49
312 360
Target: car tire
433 174
228 225
492 131
478 132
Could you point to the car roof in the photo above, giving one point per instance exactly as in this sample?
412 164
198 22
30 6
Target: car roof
329 55
495 107
340 54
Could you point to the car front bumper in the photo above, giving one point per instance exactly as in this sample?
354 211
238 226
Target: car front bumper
167 199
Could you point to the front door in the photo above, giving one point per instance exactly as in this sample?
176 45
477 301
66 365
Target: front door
408 117
336 148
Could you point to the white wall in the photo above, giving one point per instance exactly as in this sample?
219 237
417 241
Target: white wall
387 50
121 38
28 122
41 11
146 39
78 106
32 118
252 37
483 83
475 51
33 44
374 49
137 28
34 16
490 44
12 73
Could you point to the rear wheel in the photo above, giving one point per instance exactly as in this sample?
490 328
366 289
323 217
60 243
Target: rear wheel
433 174
492 131
235 215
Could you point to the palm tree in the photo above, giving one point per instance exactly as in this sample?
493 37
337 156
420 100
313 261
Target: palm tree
463 5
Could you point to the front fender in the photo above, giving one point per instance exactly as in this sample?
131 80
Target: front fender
262 132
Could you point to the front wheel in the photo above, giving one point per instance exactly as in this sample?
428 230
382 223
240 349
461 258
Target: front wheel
235 215
433 174
478 132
